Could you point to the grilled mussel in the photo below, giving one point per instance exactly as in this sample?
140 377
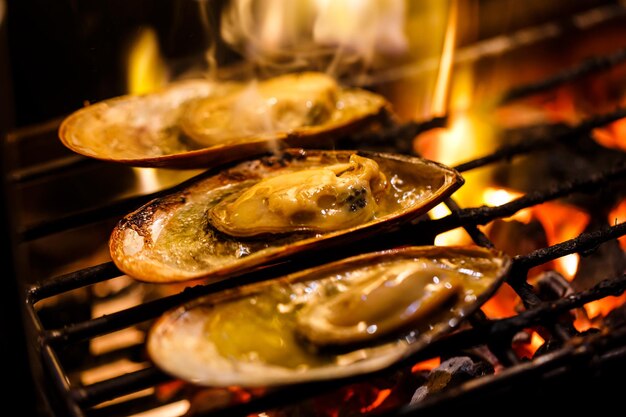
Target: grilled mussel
348 317
199 123
260 210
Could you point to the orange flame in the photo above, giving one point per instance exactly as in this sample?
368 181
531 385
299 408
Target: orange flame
502 304
427 365
560 221
618 215
380 398
528 350
612 136
604 306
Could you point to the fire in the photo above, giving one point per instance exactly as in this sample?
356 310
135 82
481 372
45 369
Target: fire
146 69
456 236
612 136
600 308
308 33
427 365
560 221
503 303
380 398
618 215
528 348
146 73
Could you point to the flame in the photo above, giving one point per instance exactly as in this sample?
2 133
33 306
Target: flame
502 304
560 221
306 32
494 197
146 73
452 237
536 341
612 136
439 106
380 398
427 365
600 308
529 348
146 69
618 215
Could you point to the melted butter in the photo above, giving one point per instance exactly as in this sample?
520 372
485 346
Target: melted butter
266 326
256 329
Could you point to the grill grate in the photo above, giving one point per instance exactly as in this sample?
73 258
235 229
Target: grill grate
503 329
498 332
574 352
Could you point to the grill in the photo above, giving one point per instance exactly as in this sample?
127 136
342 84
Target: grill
63 207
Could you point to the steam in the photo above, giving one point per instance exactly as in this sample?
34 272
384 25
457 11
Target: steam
325 35
208 21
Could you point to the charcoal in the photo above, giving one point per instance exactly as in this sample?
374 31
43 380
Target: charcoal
551 285
521 338
609 260
616 318
517 238
451 373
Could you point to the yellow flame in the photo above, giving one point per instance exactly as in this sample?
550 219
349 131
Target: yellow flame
536 341
440 99
618 215
498 196
146 73
452 237
146 69
568 265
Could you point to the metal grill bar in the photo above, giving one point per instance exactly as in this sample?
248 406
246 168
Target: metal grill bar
483 215
506 152
497 328
589 66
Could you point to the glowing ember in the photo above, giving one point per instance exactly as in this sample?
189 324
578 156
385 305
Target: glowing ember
612 136
527 349
427 365
502 304
382 396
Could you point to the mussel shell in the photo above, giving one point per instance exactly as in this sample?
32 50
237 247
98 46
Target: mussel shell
170 239
122 129
180 342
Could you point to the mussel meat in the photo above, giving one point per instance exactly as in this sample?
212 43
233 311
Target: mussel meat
348 317
261 210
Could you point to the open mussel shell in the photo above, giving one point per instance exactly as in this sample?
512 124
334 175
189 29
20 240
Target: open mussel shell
170 239
168 128
253 336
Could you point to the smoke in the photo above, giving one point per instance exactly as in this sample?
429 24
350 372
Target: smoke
335 36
